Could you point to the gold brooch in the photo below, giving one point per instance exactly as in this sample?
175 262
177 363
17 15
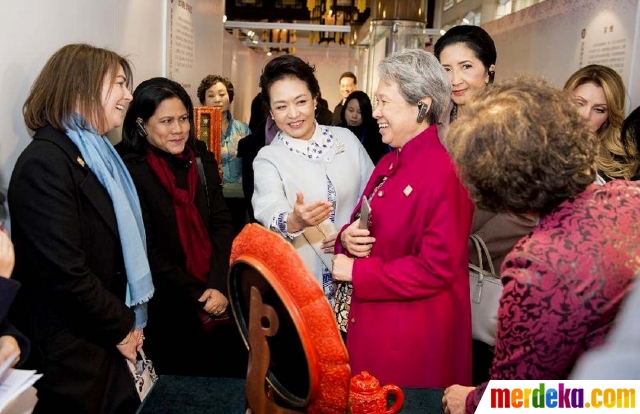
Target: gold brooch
407 190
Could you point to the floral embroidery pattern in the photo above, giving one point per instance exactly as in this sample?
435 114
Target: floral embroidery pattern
315 149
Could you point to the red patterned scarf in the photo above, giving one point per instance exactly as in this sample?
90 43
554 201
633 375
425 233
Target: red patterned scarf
191 230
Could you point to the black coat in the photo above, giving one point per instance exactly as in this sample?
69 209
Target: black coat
369 136
248 148
69 261
337 115
174 339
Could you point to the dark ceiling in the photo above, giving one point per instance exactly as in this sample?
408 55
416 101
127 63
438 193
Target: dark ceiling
278 10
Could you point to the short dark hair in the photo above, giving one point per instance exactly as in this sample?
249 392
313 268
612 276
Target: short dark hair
521 147
349 75
288 66
211 80
476 39
146 99
72 79
366 110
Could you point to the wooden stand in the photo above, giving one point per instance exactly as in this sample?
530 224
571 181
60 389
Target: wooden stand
263 322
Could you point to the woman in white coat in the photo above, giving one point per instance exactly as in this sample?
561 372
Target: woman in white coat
310 178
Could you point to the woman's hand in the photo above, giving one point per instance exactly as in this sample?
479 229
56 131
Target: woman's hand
356 240
128 346
455 399
329 243
9 349
306 215
215 302
139 337
342 268
7 256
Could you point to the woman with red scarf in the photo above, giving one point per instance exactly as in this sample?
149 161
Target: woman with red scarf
189 233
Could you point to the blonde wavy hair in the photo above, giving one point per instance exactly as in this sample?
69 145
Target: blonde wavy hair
615 159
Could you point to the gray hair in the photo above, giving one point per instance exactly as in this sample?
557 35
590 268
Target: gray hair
418 74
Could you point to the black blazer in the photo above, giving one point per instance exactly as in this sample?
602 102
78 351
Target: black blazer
69 261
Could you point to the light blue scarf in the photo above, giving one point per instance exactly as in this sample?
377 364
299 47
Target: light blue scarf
106 164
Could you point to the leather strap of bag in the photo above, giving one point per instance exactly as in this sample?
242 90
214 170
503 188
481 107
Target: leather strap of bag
483 252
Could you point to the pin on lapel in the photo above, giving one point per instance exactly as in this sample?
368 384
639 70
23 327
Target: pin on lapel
407 190
80 161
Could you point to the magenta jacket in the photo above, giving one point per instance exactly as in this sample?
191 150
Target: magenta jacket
410 317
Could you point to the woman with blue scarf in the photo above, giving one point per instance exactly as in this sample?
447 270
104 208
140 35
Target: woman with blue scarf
79 237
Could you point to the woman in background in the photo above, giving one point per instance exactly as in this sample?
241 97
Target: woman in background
79 237
189 231
218 92
310 177
410 317
563 283
357 117
468 54
599 94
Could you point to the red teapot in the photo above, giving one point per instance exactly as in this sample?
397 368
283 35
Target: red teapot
367 397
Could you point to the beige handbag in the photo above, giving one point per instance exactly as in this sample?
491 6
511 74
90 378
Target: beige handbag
486 289
144 375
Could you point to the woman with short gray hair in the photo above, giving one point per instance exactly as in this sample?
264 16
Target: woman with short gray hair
409 268
417 75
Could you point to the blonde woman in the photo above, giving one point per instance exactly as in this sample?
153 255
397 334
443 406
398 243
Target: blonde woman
599 94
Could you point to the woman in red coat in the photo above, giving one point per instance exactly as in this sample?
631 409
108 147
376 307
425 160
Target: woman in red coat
410 319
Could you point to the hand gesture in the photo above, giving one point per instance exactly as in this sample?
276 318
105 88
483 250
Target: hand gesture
356 240
7 256
215 302
306 215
